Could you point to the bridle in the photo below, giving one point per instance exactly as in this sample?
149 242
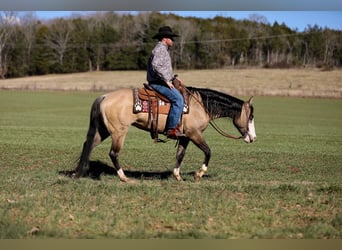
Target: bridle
213 123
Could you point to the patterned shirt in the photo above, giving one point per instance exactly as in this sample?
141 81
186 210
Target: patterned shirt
159 65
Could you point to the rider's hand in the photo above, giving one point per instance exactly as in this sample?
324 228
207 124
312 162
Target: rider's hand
170 85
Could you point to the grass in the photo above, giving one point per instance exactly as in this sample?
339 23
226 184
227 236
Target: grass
285 185
258 82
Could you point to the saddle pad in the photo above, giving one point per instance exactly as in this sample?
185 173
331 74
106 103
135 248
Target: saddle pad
141 102
163 108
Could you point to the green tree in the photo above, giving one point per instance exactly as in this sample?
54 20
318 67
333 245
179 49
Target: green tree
40 53
314 42
77 57
337 55
108 36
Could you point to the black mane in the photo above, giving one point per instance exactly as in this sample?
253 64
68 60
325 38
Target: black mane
219 104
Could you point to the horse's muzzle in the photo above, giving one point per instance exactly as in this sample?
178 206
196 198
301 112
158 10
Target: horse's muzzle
249 138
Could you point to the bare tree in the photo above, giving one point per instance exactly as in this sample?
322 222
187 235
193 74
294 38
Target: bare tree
255 17
8 20
29 28
59 37
142 25
95 44
187 30
330 44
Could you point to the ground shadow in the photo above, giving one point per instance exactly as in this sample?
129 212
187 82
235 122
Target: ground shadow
98 168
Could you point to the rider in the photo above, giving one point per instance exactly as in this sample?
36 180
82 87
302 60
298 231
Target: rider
160 77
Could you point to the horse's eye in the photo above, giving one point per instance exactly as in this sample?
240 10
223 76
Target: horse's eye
251 117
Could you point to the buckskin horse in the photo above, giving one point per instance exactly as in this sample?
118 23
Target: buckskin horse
112 114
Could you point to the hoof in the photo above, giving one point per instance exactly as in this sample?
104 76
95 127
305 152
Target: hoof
128 180
132 181
75 176
178 177
197 177
176 174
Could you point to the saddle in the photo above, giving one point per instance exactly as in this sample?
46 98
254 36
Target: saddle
147 100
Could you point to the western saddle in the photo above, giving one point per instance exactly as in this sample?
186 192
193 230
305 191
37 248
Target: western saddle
147 100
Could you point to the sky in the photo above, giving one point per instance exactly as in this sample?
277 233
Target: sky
293 19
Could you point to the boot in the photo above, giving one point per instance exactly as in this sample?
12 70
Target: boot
175 133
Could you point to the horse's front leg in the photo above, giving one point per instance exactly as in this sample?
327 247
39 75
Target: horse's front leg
207 154
114 156
117 143
183 144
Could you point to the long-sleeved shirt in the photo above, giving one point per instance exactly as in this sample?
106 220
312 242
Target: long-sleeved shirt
159 67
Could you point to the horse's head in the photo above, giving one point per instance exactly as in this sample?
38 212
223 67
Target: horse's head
245 122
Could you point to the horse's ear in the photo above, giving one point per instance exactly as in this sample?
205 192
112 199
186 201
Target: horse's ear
250 100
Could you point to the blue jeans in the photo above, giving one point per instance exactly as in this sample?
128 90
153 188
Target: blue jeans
177 104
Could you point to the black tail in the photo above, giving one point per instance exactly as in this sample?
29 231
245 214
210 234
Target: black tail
95 125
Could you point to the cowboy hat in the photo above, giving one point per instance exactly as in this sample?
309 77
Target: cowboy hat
165 31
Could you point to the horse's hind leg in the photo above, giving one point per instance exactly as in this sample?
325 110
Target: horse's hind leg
90 143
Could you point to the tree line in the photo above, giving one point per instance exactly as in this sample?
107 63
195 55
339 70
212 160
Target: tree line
123 41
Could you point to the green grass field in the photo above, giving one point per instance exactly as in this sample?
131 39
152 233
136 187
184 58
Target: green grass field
285 185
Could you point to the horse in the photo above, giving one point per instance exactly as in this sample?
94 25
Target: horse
112 114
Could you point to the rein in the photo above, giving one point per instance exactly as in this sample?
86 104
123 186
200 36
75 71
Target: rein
221 132
212 122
